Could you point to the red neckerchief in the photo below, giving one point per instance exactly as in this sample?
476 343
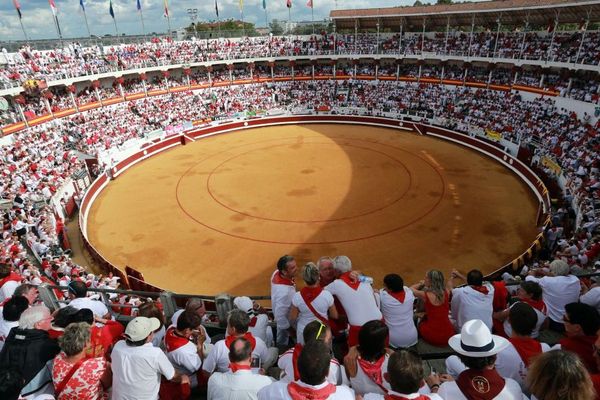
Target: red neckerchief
480 289
373 370
480 385
536 304
173 341
13 276
253 321
391 396
277 279
352 283
248 336
527 348
310 293
398 295
295 355
234 367
298 392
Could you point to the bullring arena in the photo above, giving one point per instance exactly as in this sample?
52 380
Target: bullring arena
225 207
152 184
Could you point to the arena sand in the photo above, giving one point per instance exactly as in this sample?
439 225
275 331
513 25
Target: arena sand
215 215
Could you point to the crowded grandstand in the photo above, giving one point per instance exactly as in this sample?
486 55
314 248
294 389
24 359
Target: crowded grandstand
520 77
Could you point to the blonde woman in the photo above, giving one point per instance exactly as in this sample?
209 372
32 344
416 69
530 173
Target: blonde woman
311 302
436 327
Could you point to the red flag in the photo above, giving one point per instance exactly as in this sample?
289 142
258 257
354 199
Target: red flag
289 4
18 8
53 7
309 4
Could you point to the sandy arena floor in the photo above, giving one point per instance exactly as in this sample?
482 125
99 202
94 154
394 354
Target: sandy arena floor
214 216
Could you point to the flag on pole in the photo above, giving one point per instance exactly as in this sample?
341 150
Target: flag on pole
166 9
241 5
309 4
139 5
111 11
289 4
264 4
82 5
53 7
217 8
18 8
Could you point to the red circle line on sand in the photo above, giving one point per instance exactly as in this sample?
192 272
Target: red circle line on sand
389 204
437 203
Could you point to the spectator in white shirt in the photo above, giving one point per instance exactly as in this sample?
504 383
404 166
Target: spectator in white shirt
356 297
283 288
311 302
237 326
184 345
396 302
560 288
313 365
239 383
473 301
137 366
591 295
196 305
79 300
9 281
405 376
288 361
259 320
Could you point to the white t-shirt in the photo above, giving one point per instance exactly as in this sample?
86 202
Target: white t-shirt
218 358
337 375
359 304
175 317
558 292
510 365
541 317
511 391
468 303
7 290
137 371
279 391
592 298
281 301
261 328
97 307
305 316
239 385
5 327
399 318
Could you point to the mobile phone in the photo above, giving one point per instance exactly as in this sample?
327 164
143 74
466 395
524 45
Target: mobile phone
255 364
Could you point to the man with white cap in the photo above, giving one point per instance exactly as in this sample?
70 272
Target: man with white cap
477 349
137 366
259 322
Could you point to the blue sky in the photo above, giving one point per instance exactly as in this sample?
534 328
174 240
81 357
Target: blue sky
37 16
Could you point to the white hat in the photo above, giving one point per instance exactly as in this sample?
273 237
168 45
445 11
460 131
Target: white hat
140 328
243 303
476 340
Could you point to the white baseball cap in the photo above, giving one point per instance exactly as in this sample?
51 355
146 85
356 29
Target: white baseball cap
140 328
243 303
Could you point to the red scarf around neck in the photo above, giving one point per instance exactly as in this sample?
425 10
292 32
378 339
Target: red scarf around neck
13 276
248 336
527 348
354 284
174 341
234 367
536 304
295 355
480 289
253 321
400 296
278 279
373 370
310 293
480 385
298 392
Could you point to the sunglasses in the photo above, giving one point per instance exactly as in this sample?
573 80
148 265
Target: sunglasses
320 330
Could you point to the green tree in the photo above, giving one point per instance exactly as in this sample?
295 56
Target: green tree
417 3
275 27
444 2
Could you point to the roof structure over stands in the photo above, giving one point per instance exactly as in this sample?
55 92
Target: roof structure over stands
486 13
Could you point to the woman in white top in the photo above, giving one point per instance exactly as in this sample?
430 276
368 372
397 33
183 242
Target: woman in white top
311 302
396 303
